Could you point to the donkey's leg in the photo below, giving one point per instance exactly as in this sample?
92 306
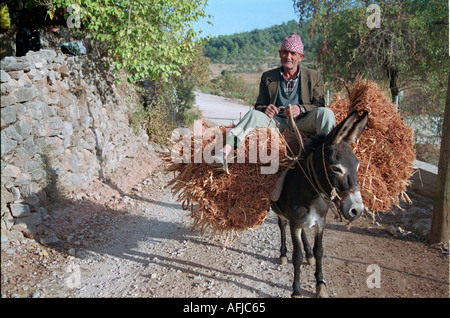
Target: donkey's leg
282 224
321 288
297 257
308 252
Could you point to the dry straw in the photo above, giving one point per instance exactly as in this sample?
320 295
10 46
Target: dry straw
226 203
385 149
230 203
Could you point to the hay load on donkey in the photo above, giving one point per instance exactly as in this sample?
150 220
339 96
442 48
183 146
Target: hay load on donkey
227 202
241 199
385 150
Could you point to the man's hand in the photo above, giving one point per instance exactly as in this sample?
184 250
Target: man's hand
294 110
271 110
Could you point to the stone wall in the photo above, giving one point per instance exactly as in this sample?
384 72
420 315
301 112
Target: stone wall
64 124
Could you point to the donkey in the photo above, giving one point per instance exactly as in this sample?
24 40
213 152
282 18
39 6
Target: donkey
327 173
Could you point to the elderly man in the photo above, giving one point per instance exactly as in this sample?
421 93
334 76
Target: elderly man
288 90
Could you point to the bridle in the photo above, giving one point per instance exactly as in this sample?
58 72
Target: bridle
311 174
332 194
313 179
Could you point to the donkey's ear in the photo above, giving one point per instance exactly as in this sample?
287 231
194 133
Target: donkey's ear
340 131
358 128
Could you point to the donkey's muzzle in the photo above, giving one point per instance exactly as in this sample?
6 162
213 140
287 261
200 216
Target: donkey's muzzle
352 205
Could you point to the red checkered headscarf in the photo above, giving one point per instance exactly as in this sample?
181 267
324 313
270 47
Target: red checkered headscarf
292 43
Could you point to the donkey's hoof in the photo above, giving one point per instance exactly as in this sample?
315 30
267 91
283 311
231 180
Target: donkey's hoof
296 296
311 261
321 291
283 260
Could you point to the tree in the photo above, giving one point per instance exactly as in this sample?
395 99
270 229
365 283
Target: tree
409 45
440 225
150 39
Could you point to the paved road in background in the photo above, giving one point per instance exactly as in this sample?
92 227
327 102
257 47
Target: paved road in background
220 110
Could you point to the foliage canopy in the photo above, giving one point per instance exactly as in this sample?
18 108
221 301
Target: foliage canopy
150 39
409 46
408 52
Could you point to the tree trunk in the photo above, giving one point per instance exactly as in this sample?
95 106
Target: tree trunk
439 226
392 74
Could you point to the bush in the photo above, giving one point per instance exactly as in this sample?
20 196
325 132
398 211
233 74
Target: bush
159 123
232 85
165 106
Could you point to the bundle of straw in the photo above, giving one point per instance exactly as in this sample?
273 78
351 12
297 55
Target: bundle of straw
226 203
385 149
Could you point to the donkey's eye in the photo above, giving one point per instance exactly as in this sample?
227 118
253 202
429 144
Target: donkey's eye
337 169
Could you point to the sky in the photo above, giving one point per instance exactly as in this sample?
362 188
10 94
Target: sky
234 16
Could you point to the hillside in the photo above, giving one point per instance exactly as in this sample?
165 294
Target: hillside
251 49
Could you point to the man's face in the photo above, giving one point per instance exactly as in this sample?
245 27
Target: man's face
290 59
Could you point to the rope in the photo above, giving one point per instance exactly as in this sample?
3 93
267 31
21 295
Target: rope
328 198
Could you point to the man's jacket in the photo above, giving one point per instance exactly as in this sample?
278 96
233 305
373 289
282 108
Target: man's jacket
311 89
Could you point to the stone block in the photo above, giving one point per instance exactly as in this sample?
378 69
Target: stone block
56 125
29 146
33 75
38 174
24 81
8 100
47 55
53 143
7 145
23 182
11 133
14 191
425 180
60 58
9 114
33 202
74 112
23 128
11 171
37 109
52 77
4 77
43 212
8 220
20 210
52 111
16 74
53 98
26 94
31 165
87 122
6 197
41 129
10 63
30 221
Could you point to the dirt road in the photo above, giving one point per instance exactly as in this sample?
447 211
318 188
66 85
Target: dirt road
220 110
138 243
150 252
